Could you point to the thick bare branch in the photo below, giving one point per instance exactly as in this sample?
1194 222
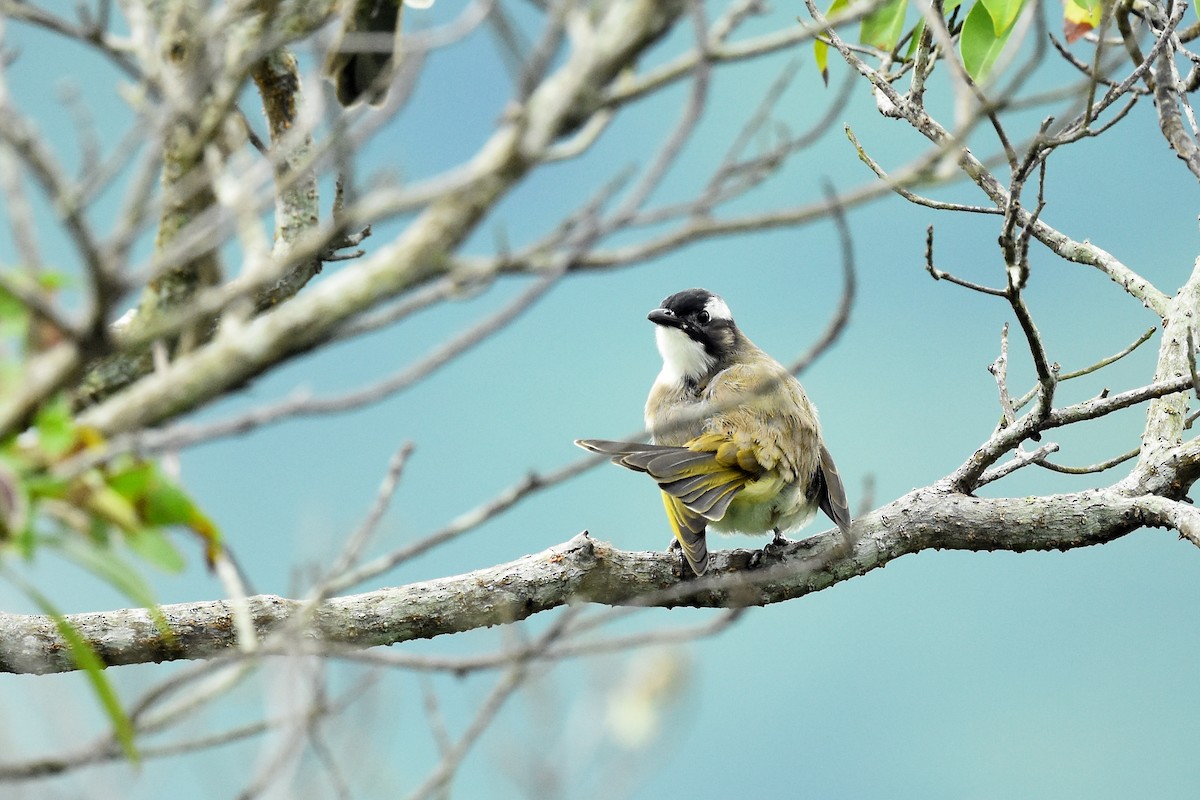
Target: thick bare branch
1165 415
584 569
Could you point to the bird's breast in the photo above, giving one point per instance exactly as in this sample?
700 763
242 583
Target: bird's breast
675 413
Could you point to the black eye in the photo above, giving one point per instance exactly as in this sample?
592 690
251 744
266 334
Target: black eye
703 318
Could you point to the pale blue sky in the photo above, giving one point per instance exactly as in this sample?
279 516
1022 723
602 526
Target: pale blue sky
945 675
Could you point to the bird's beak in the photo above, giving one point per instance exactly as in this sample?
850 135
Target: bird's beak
664 317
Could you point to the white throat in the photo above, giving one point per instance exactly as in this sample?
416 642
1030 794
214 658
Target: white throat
682 356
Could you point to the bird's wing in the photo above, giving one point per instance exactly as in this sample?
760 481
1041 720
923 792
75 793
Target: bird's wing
704 475
832 496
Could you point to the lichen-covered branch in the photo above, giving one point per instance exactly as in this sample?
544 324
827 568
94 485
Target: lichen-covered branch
297 208
240 352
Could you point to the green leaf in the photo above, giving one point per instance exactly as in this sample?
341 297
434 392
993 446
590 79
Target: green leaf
106 504
42 485
820 49
979 44
1003 13
55 427
26 542
106 565
160 501
13 313
883 26
86 659
154 547
167 504
53 281
133 480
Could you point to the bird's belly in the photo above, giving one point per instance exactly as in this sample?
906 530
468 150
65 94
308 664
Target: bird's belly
765 506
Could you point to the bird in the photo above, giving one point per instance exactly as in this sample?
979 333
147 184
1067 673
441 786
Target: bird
362 62
736 445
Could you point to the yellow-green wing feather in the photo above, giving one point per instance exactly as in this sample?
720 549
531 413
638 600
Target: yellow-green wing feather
698 482
688 528
704 476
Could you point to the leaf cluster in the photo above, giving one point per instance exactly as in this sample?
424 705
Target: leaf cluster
83 514
981 36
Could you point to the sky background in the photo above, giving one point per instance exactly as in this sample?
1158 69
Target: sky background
945 675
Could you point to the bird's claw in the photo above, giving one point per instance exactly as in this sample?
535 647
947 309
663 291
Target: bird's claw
776 546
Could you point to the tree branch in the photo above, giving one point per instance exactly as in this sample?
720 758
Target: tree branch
243 351
585 569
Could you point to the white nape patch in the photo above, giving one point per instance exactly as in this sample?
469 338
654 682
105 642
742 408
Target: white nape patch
682 356
717 309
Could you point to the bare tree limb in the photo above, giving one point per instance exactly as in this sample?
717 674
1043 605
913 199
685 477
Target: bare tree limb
585 569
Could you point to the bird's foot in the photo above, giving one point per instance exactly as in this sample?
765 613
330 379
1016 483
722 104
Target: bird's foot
776 545
772 551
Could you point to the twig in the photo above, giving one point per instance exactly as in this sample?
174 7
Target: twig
999 369
45 374
841 316
1019 459
462 524
297 686
1104 362
303 405
1092 468
1191 360
1032 423
433 713
938 274
26 145
1086 69
277 77
669 150
38 304
1078 252
913 197
362 534
719 53
465 665
503 689
925 56
1047 373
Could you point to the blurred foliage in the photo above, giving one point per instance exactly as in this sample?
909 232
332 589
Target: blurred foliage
981 33
55 496
51 497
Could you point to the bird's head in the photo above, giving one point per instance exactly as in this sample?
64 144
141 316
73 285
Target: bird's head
695 333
